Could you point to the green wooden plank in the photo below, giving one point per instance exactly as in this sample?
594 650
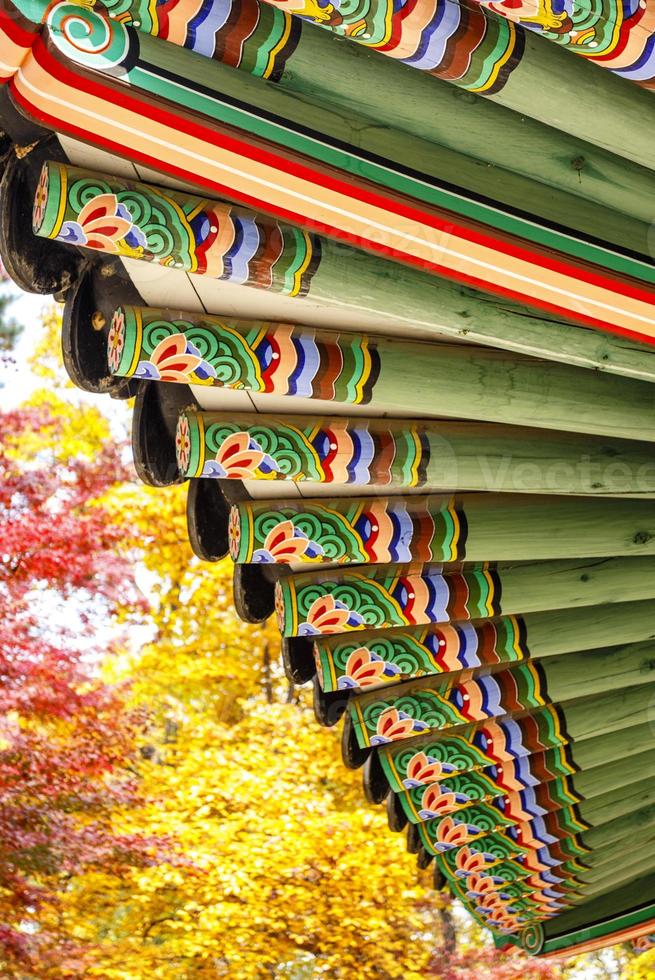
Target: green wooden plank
411 453
367 658
480 527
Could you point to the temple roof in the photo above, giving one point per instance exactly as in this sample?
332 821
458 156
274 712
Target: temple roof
391 318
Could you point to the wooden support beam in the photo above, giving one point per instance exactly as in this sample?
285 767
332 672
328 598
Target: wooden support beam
376 658
624 715
510 66
321 268
401 596
359 369
387 96
381 225
546 775
480 527
614 37
435 704
438 456
565 824
338 144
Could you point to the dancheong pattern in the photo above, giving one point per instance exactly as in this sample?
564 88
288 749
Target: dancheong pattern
455 41
333 450
403 712
375 530
370 660
258 38
273 358
307 606
176 230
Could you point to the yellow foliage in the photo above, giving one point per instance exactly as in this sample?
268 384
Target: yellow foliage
46 360
76 432
282 869
641 967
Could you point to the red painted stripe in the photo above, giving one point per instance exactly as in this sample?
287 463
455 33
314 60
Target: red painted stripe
18 34
439 220
290 216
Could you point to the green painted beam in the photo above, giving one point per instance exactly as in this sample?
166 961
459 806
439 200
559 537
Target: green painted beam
415 708
451 380
456 122
384 597
480 527
545 776
517 70
621 712
308 265
438 456
370 658
359 146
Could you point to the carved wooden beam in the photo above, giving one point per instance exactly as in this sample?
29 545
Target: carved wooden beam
34 265
480 527
534 774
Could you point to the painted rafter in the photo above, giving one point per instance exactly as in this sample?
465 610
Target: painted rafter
545 846
466 44
415 454
178 233
480 527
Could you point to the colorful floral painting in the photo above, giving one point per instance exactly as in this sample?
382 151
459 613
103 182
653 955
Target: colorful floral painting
182 443
329 615
394 724
240 457
423 769
366 669
284 544
104 224
116 341
175 358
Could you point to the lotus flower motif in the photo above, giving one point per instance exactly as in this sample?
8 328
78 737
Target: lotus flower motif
240 457
437 802
40 199
366 669
423 769
176 359
329 615
453 833
182 443
472 862
234 532
393 725
103 223
116 340
286 543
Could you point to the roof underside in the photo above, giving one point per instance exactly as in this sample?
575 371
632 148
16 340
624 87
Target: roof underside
399 339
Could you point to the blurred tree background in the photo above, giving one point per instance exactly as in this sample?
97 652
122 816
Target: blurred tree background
170 807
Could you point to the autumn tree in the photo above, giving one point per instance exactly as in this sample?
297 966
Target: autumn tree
66 739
